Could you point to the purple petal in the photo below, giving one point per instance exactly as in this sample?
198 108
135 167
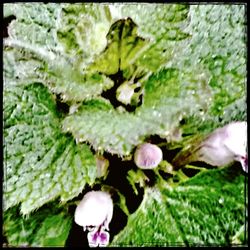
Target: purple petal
244 163
103 236
93 239
96 238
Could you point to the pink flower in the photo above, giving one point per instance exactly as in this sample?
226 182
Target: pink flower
94 213
222 147
225 145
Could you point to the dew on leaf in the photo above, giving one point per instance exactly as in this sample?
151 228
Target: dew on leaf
221 200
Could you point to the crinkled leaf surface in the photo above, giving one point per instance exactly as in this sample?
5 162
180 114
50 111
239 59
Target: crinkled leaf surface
124 46
208 209
171 95
168 95
196 91
218 45
43 55
40 162
152 47
48 227
83 28
237 111
197 57
23 68
166 32
105 128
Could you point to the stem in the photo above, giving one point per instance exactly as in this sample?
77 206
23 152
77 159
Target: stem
162 144
195 167
122 199
182 176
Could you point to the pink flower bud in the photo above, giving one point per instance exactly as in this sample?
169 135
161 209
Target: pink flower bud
147 156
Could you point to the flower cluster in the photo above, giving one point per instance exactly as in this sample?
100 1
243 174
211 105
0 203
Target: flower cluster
221 147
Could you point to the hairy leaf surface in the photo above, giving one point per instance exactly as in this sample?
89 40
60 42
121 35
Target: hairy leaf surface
218 45
124 46
208 209
166 32
44 56
49 226
167 98
40 162
180 68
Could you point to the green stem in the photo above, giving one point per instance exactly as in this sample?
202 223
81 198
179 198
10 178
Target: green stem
182 176
194 167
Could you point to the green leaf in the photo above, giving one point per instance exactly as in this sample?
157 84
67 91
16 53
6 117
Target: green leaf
105 128
155 225
154 48
48 227
35 23
194 125
168 30
78 29
40 57
83 28
218 43
40 162
206 210
123 47
219 51
167 98
190 66
24 67
171 95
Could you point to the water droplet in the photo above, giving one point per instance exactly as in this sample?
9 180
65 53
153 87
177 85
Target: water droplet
47 175
221 200
81 140
155 113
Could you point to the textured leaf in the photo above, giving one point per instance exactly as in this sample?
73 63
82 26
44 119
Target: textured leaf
237 111
171 95
41 57
63 27
166 32
83 28
210 51
105 128
218 43
124 46
40 162
205 210
190 66
167 98
35 23
155 47
25 67
48 227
